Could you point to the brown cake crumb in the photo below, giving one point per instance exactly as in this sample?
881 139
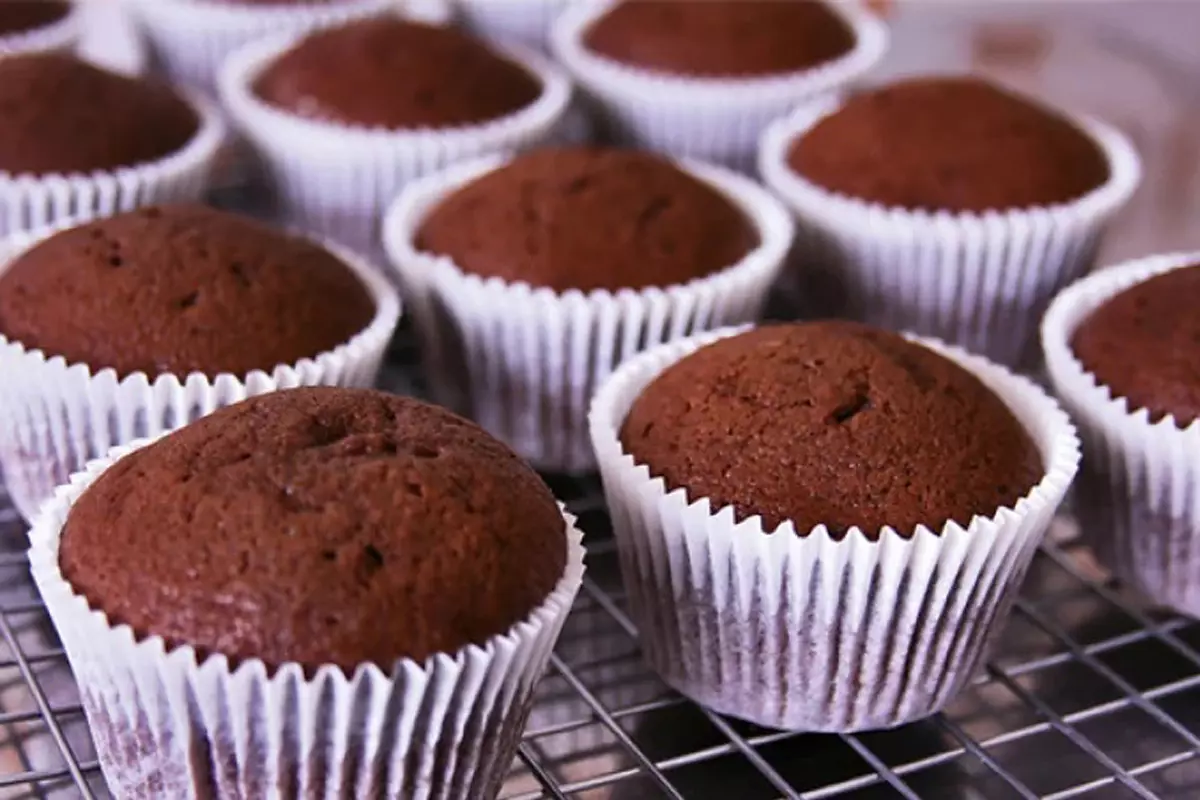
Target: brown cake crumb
1144 342
832 423
589 218
954 144
318 526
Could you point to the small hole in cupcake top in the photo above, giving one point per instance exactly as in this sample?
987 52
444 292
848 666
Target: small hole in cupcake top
415 489
189 300
424 451
116 261
329 555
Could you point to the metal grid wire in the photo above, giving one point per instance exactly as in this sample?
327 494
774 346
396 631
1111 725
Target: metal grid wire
1087 695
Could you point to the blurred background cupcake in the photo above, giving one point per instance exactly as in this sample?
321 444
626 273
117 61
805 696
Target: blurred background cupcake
37 26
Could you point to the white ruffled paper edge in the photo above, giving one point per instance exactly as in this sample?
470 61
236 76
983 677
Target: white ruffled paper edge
811 632
170 724
524 361
525 21
56 416
1139 489
981 281
191 38
337 179
61 35
717 119
31 202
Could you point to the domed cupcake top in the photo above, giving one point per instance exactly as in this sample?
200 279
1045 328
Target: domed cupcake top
391 73
64 116
177 289
720 38
1142 344
318 526
832 423
955 144
589 218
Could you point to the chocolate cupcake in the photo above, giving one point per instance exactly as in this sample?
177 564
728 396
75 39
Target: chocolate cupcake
393 99
292 568
704 79
1120 347
140 323
911 481
945 205
83 142
532 277
38 26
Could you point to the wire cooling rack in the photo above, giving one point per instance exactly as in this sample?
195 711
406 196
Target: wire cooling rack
1088 695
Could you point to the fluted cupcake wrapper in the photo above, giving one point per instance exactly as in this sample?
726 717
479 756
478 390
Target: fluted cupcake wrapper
809 632
716 119
58 36
981 281
56 416
170 723
526 21
337 179
29 202
524 361
1138 497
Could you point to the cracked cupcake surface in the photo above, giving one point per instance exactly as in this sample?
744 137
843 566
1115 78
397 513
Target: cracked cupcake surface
318 526
832 423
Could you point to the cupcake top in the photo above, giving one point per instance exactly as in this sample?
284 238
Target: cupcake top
588 218
20 16
832 423
1142 344
318 526
949 144
63 116
392 73
180 289
720 38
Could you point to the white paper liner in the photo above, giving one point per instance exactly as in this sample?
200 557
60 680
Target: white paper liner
337 179
110 39
168 724
56 416
1139 489
809 632
981 281
716 119
524 361
29 202
191 38
525 21
61 35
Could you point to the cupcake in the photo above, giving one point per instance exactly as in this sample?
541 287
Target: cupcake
531 277
140 323
344 118
190 38
273 600
37 26
821 525
1120 347
946 206
704 79
81 142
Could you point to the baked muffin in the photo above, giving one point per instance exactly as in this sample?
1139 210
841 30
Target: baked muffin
393 99
37 26
531 277
889 493
139 323
928 205
704 79
1120 348
320 538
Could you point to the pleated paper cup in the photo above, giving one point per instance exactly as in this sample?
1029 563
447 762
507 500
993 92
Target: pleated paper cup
525 21
1138 499
804 631
715 119
190 38
55 416
523 361
981 281
29 202
59 36
169 722
337 179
